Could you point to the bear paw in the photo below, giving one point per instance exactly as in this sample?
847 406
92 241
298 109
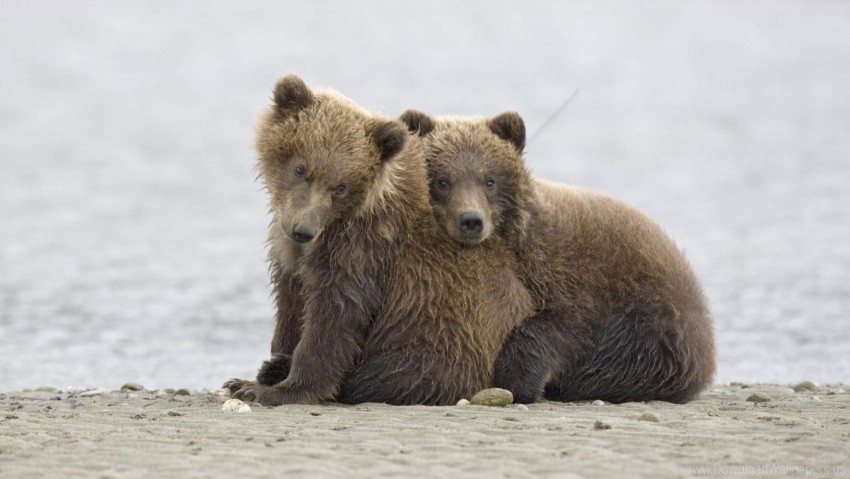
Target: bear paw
274 395
235 384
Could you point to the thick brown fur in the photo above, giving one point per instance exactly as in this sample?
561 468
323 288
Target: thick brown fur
374 303
620 315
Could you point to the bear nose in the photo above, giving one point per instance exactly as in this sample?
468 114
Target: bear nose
303 233
471 222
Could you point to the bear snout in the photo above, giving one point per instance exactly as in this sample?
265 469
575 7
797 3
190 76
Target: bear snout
303 233
471 223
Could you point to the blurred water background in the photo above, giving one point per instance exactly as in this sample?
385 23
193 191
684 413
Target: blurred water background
132 228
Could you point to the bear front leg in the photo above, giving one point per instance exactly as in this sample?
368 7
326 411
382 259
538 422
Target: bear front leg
289 304
536 349
335 327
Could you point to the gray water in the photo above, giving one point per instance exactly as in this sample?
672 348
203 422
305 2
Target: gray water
132 228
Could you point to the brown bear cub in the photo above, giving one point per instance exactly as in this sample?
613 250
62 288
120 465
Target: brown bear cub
374 303
620 315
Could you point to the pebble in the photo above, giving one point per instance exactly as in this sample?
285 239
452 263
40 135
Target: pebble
463 402
45 389
182 392
92 393
521 407
235 405
805 386
599 425
492 397
132 387
648 416
757 398
2 397
598 403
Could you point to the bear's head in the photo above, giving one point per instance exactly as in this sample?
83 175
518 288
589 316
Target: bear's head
478 179
322 157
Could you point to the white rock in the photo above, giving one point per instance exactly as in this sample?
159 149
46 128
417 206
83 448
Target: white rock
598 403
463 402
521 407
492 397
235 405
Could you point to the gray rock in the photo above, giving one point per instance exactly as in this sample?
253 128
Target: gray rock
598 403
182 392
805 386
492 397
132 387
648 416
599 425
758 397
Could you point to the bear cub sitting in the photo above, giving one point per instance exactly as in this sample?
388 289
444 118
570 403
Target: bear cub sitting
373 302
620 315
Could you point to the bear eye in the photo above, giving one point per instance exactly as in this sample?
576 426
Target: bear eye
490 183
442 184
341 189
300 170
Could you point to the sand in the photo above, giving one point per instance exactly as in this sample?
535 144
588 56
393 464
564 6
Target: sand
129 434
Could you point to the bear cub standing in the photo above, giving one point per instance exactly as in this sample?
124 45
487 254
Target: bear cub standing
373 302
620 315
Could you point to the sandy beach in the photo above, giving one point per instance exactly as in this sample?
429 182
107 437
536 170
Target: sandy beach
730 431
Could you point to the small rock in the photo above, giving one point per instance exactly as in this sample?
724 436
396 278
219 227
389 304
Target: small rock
45 389
648 416
757 398
805 386
492 397
315 413
521 407
816 399
161 394
598 403
2 397
182 392
169 391
463 402
235 405
132 387
599 425
92 393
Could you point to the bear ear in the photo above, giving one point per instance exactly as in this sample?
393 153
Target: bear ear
390 137
509 126
291 94
417 122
